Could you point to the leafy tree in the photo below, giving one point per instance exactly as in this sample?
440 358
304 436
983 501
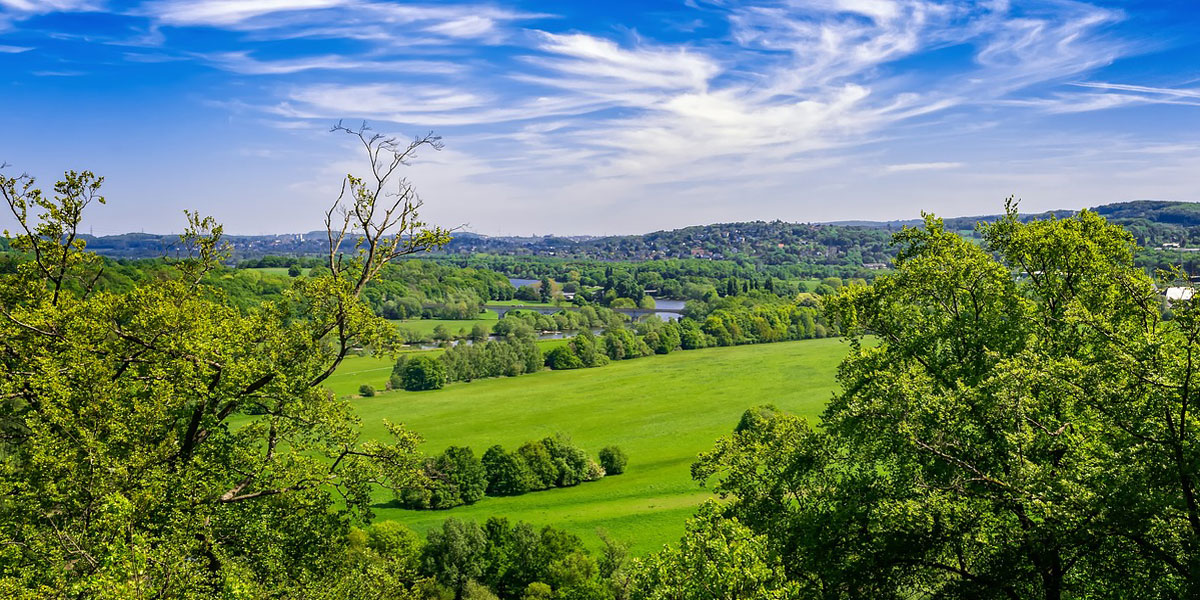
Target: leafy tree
613 459
442 333
717 558
527 293
294 271
455 554
538 591
1021 428
507 474
538 459
423 373
478 591
479 332
544 290
561 357
366 390
159 441
756 418
585 346
571 462
464 472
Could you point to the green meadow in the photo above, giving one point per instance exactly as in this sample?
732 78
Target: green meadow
426 326
663 410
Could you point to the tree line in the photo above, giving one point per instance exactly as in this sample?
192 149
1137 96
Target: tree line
456 476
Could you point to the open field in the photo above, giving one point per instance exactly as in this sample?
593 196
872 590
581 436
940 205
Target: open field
426 326
375 370
663 410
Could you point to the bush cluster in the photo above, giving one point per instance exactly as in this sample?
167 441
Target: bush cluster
456 477
418 373
500 358
466 362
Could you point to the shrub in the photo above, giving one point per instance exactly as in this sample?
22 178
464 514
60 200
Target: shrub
366 390
594 471
570 462
465 473
562 358
453 478
507 474
477 591
537 458
756 418
538 591
613 459
527 293
293 271
423 373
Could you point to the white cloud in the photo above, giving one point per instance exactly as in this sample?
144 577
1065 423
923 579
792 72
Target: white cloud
796 89
227 12
243 63
798 79
929 166
49 6
1156 91
14 49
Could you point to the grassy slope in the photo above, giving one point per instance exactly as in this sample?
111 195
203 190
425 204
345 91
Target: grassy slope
663 410
375 370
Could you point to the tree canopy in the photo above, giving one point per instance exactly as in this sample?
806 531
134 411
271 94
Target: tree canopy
1015 422
159 442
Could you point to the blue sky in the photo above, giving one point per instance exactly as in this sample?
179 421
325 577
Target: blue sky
583 117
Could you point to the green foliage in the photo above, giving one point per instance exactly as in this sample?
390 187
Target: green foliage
455 555
1022 429
453 478
456 477
561 358
756 418
613 459
420 373
156 439
507 474
540 463
716 558
527 293
498 358
366 390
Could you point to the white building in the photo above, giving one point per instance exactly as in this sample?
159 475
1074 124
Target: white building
1180 294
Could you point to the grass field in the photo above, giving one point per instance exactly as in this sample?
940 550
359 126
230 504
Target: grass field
663 410
375 370
425 326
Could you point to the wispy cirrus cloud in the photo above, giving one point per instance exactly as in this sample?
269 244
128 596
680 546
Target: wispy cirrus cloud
227 13
764 95
242 62
352 19
930 166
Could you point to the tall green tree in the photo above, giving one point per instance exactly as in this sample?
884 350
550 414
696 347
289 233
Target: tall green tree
160 442
1015 422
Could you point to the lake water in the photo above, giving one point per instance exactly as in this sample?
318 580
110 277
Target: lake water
658 302
669 304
